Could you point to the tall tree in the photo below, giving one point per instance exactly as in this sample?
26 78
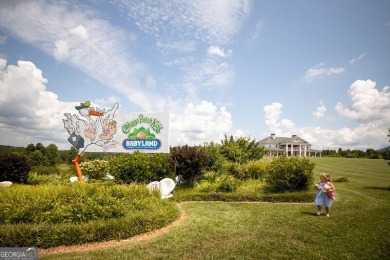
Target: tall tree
241 150
41 148
30 148
52 154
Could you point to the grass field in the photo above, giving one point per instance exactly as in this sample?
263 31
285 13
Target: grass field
358 228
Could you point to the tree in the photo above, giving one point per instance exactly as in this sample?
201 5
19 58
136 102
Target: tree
38 159
72 153
188 162
215 159
52 154
241 150
41 148
30 148
14 168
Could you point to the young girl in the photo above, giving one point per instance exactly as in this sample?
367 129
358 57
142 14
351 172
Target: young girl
325 194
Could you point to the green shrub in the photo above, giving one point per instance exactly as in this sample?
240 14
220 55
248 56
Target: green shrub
205 186
241 150
14 168
37 158
214 159
36 179
96 169
188 162
253 170
46 170
289 174
341 179
139 167
46 216
232 169
216 182
227 184
211 177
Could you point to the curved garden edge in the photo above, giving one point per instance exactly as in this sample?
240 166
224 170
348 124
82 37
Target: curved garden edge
141 237
114 243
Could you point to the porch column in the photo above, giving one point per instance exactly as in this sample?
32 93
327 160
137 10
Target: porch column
305 151
286 149
292 149
300 150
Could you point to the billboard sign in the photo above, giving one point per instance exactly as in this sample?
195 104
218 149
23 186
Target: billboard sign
103 130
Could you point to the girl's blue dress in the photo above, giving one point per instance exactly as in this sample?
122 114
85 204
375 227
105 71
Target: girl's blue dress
322 199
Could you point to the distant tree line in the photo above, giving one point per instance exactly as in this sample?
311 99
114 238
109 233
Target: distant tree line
39 155
238 150
369 153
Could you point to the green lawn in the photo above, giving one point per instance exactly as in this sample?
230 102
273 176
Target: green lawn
358 228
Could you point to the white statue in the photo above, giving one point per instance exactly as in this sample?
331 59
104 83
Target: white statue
165 186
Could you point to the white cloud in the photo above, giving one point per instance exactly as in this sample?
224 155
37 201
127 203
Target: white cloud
61 50
3 64
211 22
320 112
369 109
367 103
198 123
107 102
106 53
82 40
320 71
210 73
80 31
220 52
356 59
272 113
30 113
33 114
178 46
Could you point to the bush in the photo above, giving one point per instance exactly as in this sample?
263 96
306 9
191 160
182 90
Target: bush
227 184
241 150
205 186
188 162
289 174
139 167
232 169
47 216
211 177
214 182
96 169
35 178
46 170
14 168
214 159
253 170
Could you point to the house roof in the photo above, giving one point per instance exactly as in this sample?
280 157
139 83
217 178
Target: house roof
283 140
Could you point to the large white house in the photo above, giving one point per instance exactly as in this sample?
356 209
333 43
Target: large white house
290 146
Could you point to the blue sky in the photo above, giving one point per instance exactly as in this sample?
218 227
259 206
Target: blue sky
317 69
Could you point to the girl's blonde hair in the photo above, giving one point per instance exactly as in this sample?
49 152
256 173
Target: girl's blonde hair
326 176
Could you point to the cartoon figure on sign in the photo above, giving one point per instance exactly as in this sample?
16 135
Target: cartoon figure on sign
141 133
109 129
91 127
